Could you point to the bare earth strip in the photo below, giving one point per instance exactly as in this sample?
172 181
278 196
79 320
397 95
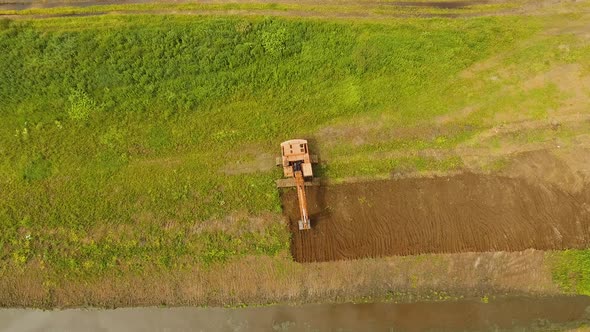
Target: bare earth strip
453 214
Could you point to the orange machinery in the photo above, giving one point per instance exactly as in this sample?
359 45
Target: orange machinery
296 162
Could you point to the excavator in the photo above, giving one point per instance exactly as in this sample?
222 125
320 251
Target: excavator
296 162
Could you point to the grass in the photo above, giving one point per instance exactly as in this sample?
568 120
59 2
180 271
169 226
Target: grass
127 127
571 270
116 129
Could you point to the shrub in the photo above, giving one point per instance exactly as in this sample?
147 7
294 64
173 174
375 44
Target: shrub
274 42
81 105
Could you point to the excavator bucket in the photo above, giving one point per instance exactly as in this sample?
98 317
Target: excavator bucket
304 225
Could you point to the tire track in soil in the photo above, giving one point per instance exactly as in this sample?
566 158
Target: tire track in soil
462 213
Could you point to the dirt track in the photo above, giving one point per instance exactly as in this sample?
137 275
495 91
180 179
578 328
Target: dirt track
364 8
437 215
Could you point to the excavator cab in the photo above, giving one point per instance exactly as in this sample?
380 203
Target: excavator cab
296 162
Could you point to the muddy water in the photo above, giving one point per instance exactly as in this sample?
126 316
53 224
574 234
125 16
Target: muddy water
517 313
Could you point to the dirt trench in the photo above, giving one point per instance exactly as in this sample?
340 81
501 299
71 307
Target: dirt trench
463 213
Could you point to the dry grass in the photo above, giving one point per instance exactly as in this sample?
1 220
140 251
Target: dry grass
263 279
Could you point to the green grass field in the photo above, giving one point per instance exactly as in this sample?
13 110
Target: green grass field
116 129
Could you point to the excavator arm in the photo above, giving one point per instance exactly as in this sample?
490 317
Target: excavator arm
300 184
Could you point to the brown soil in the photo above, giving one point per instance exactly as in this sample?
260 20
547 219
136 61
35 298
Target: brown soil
436 4
463 213
27 4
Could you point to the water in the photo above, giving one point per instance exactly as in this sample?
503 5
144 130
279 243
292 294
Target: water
510 313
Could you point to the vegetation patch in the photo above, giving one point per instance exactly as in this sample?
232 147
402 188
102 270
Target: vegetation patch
38 169
571 270
116 129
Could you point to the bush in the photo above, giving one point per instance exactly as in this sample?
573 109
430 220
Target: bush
274 42
81 105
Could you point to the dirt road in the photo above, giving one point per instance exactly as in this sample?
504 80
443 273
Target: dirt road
373 9
461 213
28 4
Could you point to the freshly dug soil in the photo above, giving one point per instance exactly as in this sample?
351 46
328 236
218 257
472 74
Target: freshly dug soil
462 213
